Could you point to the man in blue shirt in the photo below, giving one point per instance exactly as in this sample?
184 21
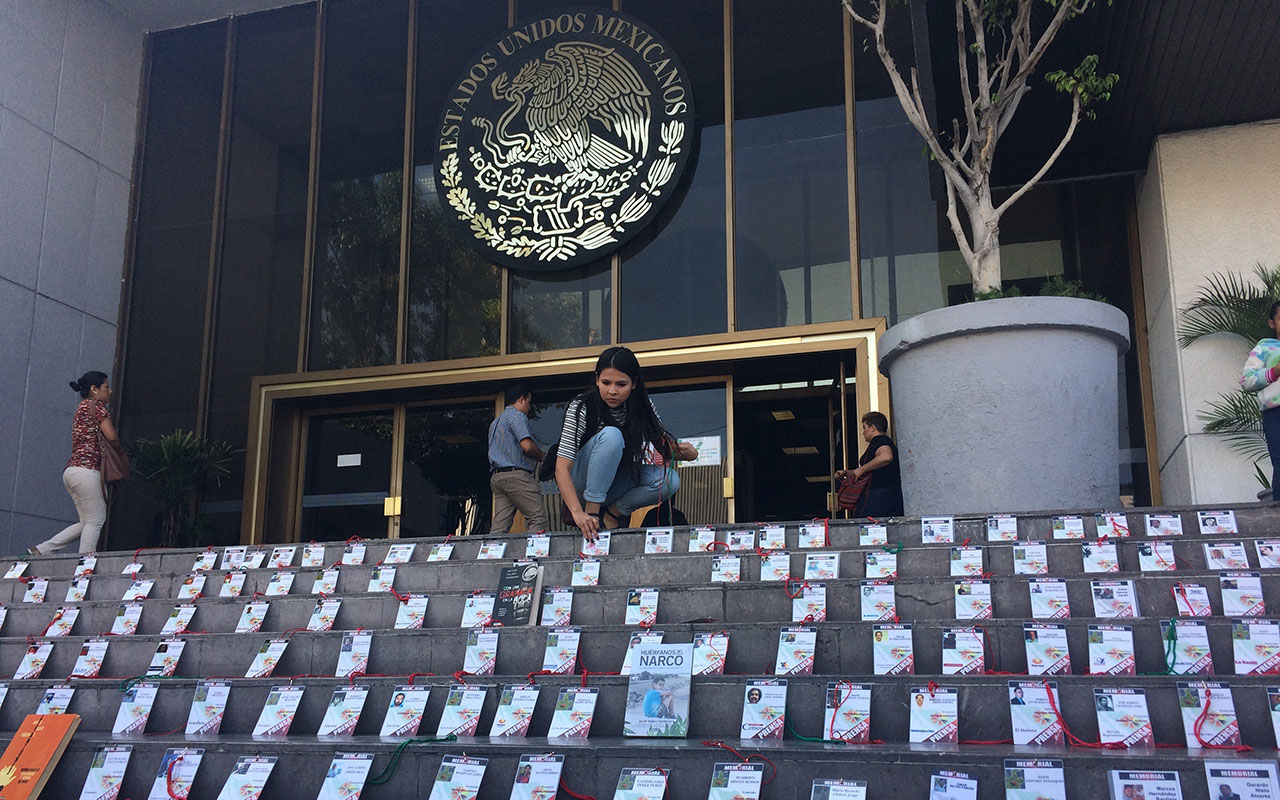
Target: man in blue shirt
513 459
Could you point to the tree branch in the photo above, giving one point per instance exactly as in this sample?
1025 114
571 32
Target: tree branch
957 230
1026 187
1032 58
963 54
983 57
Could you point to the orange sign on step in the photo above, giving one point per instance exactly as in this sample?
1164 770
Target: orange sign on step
34 752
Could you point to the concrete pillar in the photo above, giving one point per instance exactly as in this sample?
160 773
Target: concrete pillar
1210 202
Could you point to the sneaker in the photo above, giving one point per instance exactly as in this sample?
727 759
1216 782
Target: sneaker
31 551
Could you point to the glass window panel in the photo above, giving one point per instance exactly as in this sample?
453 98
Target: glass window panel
551 311
682 256
175 213
348 475
446 470
790 177
356 277
260 284
455 295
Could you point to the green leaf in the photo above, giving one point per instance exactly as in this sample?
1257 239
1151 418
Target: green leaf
1231 303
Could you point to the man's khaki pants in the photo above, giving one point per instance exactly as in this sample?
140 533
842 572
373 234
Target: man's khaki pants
516 489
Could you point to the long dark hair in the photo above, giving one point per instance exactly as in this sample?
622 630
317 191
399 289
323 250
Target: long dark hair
641 424
89 380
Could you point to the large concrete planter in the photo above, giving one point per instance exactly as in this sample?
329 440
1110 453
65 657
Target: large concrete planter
1007 405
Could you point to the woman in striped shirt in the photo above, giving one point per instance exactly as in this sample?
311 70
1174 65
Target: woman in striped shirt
601 464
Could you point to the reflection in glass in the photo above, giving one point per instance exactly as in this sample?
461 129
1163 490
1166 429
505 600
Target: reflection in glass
455 295
348 475
791 183
357 247
552 311
446 470
673 274
264 235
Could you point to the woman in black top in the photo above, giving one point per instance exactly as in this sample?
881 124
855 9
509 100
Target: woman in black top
601 464
883 495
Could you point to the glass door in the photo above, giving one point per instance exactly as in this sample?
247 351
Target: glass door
347 476
445 469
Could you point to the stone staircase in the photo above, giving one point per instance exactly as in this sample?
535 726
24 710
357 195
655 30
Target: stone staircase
751 611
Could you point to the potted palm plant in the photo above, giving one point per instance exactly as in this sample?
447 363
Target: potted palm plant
173 469
1008 404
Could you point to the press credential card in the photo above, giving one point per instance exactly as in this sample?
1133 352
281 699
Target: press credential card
811 604
1046 646
726 569
1031 558
1210 706
326 581
482 652
837 789
1111 525
233 557
459 778
399 553
132 568
1002 528
658 540
775 565
952 785
742 540
638 638
208 705
191 586
1216 522
381 579
1111 650
106 772
324 614
56 700
1100 556
265 660
280 584
574 710
89 663
962 651
353 655
313 555
1145 785
33 661
773 537
1242 594
411 612
537 777
204 562
934 715
764 709
600 547
135 708
346 776
165 660
561 655
873 535
1034 720
281 556
641 783
248 778
1164 525
796 647
586 572
937 530
557 606
1049 598
736 781
77 589
353 553
1068 527
1034 779
812 536
892 652
1248 780
232 584
63 621
404 712
878 601
37 588
1225 556
253 559
710 650
478 610
847 716
515 711
1123 717
966 562
1189 640
642 607
16 570
85 566
973 599
882 565
1191 600
1256 646
440 552
138 590
186 762
701 539
1114 599
343 712
462 709
537 546
1156 557
821 566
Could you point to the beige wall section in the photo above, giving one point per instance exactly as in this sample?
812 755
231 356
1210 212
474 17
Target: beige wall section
1209 202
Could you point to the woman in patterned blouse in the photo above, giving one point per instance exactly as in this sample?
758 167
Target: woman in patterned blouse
83 475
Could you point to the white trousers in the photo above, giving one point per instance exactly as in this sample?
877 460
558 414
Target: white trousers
85 487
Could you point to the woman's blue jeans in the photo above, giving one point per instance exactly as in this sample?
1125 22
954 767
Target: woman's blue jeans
1271 430
600 477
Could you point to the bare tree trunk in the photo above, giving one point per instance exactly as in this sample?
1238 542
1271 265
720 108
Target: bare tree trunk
984 222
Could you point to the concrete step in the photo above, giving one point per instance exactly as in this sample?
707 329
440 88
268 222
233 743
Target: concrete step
891 771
